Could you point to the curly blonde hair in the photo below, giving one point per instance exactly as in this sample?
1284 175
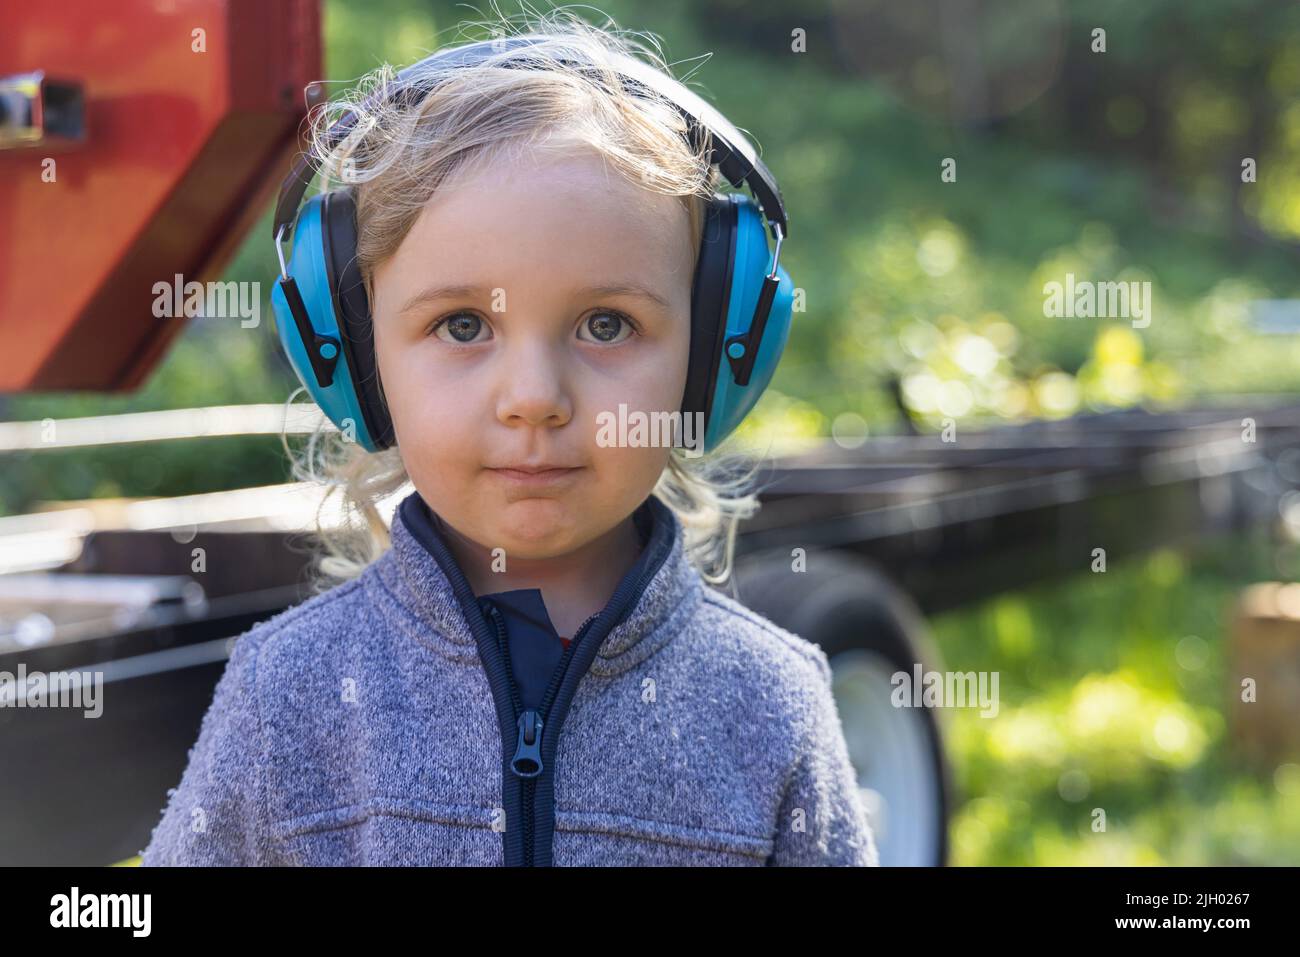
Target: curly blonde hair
395 159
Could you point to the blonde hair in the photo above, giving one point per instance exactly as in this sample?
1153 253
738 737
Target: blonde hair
396 158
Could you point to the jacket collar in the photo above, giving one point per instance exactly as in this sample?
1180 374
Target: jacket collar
656 597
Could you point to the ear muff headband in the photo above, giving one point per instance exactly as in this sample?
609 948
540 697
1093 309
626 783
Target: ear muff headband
730 150
740 307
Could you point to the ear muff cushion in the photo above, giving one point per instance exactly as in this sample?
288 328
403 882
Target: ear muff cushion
709 299
352 305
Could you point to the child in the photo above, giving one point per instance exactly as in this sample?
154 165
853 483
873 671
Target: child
534 673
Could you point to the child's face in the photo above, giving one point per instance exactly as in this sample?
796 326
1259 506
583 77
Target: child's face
531 351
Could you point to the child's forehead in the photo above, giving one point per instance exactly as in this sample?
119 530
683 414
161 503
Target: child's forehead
578 198
561 163
566 222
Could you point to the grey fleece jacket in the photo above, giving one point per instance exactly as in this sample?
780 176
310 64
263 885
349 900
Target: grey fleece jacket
375 724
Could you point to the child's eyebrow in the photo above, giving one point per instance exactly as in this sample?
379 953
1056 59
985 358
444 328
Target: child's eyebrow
464 291
626 289
434 293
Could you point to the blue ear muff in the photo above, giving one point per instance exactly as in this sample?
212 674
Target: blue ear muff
307 320
753 261
735 344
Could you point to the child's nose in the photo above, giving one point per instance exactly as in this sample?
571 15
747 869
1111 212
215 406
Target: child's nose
533 387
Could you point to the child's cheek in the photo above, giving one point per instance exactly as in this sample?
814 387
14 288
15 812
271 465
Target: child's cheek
650 377
435 419
631 467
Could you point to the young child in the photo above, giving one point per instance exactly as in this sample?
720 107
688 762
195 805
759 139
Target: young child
536 671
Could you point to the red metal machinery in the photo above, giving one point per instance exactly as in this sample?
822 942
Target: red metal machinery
167 125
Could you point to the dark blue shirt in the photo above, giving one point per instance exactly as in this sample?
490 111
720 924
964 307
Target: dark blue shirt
533 645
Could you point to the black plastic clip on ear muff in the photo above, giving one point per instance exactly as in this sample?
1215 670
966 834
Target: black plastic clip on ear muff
742 350
323 351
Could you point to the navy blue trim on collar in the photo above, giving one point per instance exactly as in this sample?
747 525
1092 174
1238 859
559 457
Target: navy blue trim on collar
654 521
535 646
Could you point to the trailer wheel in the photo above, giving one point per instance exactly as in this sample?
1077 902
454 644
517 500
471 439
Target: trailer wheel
869 629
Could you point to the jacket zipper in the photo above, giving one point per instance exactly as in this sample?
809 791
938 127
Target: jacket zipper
530 723
534 729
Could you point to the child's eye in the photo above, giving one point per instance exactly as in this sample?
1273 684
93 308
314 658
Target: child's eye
606 325
463 326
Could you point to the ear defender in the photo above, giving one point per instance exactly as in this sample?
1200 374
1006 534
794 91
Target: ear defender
321 284
741 299
740 319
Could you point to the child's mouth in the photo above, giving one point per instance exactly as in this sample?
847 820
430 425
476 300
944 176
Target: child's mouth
535 479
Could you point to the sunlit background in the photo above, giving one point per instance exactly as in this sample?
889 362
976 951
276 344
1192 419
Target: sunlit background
925 303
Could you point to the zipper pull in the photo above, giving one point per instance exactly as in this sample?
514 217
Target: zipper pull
493 614
527 762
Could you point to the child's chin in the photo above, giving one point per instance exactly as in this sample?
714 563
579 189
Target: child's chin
541 523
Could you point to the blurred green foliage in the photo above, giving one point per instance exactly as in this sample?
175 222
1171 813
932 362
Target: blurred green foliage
1114 691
